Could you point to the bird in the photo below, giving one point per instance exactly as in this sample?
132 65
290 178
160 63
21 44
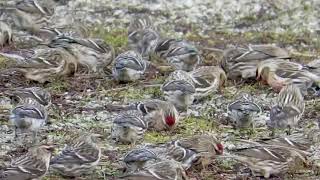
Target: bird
180 54
179 89
288 109
164 169
271 160
142 35
128 128
242 110
159 115
136 159
47 63
241 62
78 157
206 146
31 15
42 96
28 115
297 141
278 73
207 80
93 54
5 34
33 165
128 66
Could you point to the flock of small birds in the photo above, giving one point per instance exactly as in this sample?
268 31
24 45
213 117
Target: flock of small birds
65 53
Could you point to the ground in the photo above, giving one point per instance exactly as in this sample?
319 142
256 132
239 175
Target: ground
75 98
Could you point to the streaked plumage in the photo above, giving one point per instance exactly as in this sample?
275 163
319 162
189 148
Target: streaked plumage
48 63
267 161
128 66
288 110
297 141
79 157
94 54
33 165
206 146
5 34
314 66
29 115
179 89
242 110
128 128
241 62
142 35
31 15
41 95
165 169
278 73
159 115
137 158
207 80
180 54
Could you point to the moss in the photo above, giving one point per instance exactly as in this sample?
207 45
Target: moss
155 137
118 38
194 125
4 62
58 86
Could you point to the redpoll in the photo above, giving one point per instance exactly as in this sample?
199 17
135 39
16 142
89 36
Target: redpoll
32 165
242 110
128 128
48 63
179 89
79 157
207 79
179 53
42 96
186 157
241 62
296 141
28 116
5 34
159 115
128 66
269 161
278 73
206 146
137 158
142 35
92 54
165 169
29 15
288 110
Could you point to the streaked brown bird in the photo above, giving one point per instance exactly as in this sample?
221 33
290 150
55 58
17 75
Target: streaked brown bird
207 80
27 116
79 157
288 110
33 165
179 89
278 73
180 54
241 62
41 95
165 169
128 128
159 115
242 110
